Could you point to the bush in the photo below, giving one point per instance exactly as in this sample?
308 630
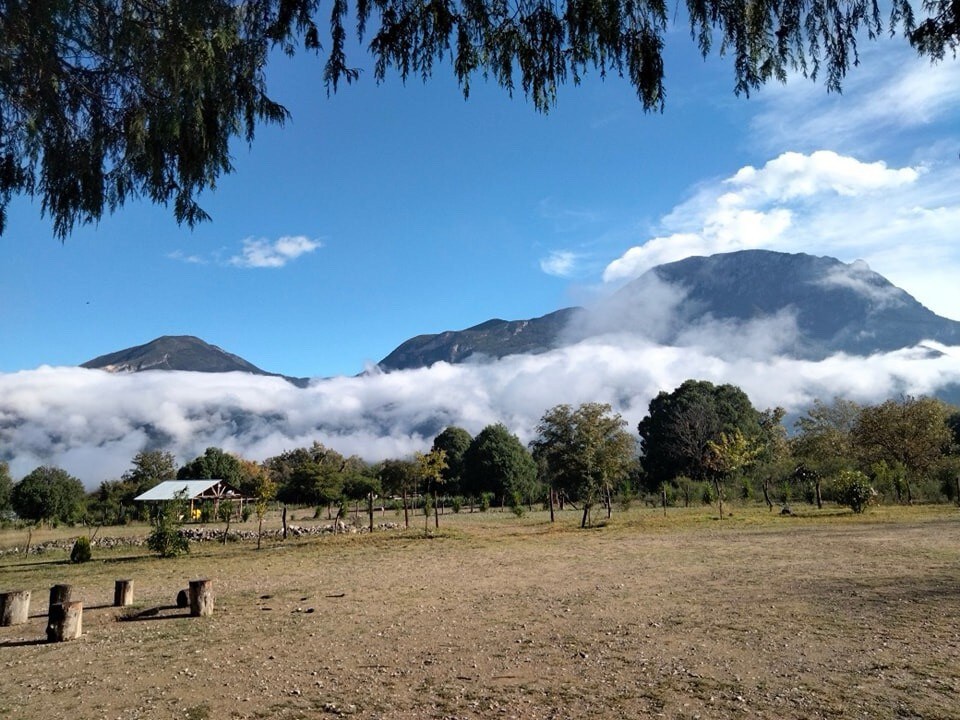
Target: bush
485 500
165 539
516 504
853 489
456 504
81 550
246 512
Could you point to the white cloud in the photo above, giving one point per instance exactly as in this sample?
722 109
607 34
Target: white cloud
92 423
902 221
262 253
189 259
560 263
891 91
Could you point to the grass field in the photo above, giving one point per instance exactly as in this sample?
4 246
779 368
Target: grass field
811 616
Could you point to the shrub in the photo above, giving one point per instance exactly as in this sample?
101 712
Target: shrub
516 504
485 500
81 550
456 504
165 539
853 489
246 512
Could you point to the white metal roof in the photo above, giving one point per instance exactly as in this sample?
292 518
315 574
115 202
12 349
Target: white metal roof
169 489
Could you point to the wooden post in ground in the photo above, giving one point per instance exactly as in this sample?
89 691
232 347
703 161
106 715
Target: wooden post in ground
14 607
201 597
65 621
60 594
123 593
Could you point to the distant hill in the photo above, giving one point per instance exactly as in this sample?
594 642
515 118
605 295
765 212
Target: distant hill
179 352
826 307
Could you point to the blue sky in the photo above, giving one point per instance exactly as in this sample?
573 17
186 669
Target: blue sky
384 212
427 213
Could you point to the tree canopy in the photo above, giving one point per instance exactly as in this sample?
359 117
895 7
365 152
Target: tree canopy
105 101
49 494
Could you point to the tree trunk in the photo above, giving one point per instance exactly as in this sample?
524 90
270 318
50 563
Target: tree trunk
370 510
716 485
663 497
284 520
906 482
436 510
260 529
609 501
586 514
766 493
65 621
406 512
123 593
14 607
816 487
957 482
550 492
226 530
201 598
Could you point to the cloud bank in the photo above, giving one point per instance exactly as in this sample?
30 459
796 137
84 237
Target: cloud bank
92 423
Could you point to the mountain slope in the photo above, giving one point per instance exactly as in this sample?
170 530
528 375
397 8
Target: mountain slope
493 338
179 352
811 307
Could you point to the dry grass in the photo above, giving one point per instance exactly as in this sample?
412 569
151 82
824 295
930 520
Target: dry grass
822 615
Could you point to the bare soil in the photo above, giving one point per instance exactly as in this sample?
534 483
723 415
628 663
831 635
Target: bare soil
819 616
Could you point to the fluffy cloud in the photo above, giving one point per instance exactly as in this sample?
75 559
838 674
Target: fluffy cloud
560 263
92 423
262 253
900 220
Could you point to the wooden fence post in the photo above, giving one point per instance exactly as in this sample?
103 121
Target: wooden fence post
201 597
65 621
14 607
123 593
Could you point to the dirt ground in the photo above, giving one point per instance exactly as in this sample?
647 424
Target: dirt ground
497 617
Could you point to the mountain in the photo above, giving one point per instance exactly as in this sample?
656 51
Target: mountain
179 352
493 338
805 306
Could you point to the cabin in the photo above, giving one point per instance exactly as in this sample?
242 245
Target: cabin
194 491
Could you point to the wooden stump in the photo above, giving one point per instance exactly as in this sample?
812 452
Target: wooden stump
60 594
183 599
123 593
65 621
14 607
201 597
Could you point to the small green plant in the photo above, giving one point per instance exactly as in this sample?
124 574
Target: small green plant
246 513
456 504
165 539
485 500
853 489
81 550
516 504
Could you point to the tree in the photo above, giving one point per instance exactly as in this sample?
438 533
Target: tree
454 442
430 467
107 101
726 455
676 433
773 450
6 488
165 539
150 468
399 477
49 494
497 462
264 492
909 432
824 442
584 452
214 464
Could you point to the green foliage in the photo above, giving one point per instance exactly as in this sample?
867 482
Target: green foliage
676 433
6 489
456 504
454 441
214 464
150 468
165 538
484 502
49 494
852 488
81 552
516 504
584 452
308 476
497 462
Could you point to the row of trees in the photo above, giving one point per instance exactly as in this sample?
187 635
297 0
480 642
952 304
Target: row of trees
700 442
